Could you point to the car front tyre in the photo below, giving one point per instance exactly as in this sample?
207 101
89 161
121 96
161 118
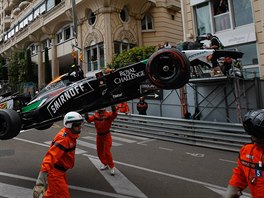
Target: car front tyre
10 124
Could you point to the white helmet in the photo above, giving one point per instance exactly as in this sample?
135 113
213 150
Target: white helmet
72 117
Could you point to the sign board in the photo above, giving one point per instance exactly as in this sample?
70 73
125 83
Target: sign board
156 93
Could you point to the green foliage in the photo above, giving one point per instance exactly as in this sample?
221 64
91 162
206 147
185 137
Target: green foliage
22 72
131 56
29 67
13 71
3 71
21 69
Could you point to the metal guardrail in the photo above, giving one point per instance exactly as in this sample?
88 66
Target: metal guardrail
215 135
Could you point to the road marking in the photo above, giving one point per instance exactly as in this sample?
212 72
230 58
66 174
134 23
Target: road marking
28 141
234 162
77 150
131 136
166 149
146 141
123 139
12 191
23 192
195 154
86 144
119 182
222 192
93 139
207 185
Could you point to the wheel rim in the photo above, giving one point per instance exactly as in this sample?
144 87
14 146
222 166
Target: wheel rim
166 68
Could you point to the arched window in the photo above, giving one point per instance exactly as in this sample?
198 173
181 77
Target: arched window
95 56
147 23
121 46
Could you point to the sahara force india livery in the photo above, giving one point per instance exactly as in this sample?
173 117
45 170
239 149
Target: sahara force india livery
166 69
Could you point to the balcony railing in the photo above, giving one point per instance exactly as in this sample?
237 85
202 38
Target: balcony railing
23 4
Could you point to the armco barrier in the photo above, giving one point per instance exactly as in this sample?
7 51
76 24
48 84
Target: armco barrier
216 135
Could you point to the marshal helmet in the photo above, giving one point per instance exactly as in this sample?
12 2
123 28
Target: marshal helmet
253 123
72 117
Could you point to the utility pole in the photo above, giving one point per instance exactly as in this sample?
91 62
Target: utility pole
75 34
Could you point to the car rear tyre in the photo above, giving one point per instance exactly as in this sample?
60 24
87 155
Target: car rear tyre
168 69
10 124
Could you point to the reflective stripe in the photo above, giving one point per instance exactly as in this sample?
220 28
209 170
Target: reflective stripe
62 147
61 168
101 134
251 164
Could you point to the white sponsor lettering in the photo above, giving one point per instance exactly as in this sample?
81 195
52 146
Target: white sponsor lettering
127 75
117 95
56 104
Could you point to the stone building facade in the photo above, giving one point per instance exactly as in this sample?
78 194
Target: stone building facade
239 25
103 28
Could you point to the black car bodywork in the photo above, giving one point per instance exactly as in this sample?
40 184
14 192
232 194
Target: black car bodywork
166 69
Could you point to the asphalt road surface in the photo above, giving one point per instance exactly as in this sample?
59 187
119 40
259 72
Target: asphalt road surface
144 167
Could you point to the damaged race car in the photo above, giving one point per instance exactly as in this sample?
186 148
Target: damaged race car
166 69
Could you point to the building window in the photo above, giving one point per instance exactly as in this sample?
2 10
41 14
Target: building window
46 43
67 33
57 2
36 13
50 4
121 46
91 17
225 14
59 37
147 23
124 16
242 12
221 15
203 18
33 49
95 57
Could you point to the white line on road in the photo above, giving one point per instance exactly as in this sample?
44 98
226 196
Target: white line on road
234 162
146 141
93 139
23 192
208 185
166 149
77 150
119 182
28 141
12 191
222 192
123 139
86 144
131 136
113 137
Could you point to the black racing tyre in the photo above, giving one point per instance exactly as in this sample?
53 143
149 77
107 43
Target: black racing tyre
168 69
44 127
10 124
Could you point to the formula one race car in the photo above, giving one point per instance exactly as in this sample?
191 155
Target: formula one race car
199 59
166 69
228 60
